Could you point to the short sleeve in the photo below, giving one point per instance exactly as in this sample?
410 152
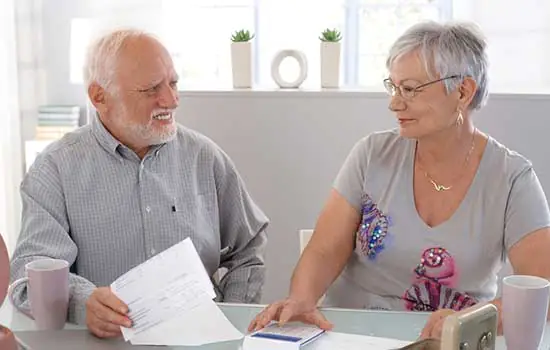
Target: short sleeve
351 178
527 208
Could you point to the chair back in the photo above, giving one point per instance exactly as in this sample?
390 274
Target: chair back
305 236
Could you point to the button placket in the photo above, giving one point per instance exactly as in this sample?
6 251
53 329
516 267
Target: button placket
146 219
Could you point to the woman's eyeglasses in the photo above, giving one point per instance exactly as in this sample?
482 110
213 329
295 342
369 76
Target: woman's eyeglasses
408 92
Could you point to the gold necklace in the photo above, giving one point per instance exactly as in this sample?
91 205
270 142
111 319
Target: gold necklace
440 187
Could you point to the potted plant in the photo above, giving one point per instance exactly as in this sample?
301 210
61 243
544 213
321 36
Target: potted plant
241 58
330 58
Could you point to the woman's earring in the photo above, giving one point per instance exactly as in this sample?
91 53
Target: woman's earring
460 119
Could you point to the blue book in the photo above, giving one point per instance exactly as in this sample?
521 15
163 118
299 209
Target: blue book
291 336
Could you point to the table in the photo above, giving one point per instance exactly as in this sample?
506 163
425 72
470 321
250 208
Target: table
399 325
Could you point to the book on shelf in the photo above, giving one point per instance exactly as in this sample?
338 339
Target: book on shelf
54 121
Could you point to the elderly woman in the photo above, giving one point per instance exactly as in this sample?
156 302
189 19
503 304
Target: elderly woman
421 218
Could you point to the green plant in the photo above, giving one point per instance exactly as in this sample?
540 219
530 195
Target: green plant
241 36
331 35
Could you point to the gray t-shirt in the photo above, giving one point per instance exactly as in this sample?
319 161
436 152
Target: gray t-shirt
399 262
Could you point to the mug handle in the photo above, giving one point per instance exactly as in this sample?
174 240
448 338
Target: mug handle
12 287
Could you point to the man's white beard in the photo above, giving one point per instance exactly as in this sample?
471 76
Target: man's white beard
153 136
148 133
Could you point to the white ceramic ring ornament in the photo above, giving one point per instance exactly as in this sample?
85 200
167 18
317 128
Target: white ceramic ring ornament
300 57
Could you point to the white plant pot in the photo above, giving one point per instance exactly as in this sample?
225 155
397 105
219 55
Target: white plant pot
330 64
241 64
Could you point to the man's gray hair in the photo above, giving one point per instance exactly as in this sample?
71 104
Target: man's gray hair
102 56
446 50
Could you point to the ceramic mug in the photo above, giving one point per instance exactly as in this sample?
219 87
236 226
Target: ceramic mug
48 292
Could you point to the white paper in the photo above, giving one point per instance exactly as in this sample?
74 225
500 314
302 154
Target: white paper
205 324
165 286
344 341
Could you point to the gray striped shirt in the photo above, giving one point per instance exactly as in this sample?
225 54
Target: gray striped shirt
92 201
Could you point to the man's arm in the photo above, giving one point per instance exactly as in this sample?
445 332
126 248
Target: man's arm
243 238
45 234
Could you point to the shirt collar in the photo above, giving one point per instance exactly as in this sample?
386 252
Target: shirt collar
110 143
104 137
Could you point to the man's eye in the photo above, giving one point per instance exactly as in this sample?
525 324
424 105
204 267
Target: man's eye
151 89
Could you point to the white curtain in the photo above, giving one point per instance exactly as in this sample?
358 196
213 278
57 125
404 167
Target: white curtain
11 165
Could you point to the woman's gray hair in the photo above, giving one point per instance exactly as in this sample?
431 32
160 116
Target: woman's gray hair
446 50
102 57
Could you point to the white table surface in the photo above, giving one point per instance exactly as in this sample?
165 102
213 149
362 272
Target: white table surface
399 325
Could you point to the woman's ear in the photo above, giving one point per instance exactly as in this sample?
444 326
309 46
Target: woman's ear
467 90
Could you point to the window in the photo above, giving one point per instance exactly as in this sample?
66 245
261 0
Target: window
519 45
380 23
197 32
292 24
81 33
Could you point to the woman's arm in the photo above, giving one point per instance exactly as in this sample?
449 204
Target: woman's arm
529 256
328 250
322 260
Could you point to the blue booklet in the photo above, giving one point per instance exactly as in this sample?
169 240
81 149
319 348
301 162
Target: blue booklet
291 336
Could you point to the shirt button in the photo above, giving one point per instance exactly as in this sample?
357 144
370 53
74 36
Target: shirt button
153 251
141 166
148 208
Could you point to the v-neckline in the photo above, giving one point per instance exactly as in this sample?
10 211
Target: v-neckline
469 192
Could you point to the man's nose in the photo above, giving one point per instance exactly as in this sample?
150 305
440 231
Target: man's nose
168 97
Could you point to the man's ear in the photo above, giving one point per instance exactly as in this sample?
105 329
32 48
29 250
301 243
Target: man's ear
97 97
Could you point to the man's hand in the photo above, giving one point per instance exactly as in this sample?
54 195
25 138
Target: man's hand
105 313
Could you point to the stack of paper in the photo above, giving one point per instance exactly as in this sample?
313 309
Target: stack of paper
169 298
288 337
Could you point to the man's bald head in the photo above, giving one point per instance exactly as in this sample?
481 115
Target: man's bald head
109 52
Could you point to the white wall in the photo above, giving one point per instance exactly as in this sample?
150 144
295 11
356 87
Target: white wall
289 145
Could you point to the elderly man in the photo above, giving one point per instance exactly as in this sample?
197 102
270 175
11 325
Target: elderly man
114 193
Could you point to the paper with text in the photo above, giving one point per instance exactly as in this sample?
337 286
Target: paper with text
206 324
163 287
344 341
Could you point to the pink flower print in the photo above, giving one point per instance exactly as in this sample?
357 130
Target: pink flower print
434 283
428 295
437 265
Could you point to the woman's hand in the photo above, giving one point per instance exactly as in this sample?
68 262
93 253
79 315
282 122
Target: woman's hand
288 310
434 326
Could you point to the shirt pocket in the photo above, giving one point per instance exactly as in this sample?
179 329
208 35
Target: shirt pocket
207 214
197 217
